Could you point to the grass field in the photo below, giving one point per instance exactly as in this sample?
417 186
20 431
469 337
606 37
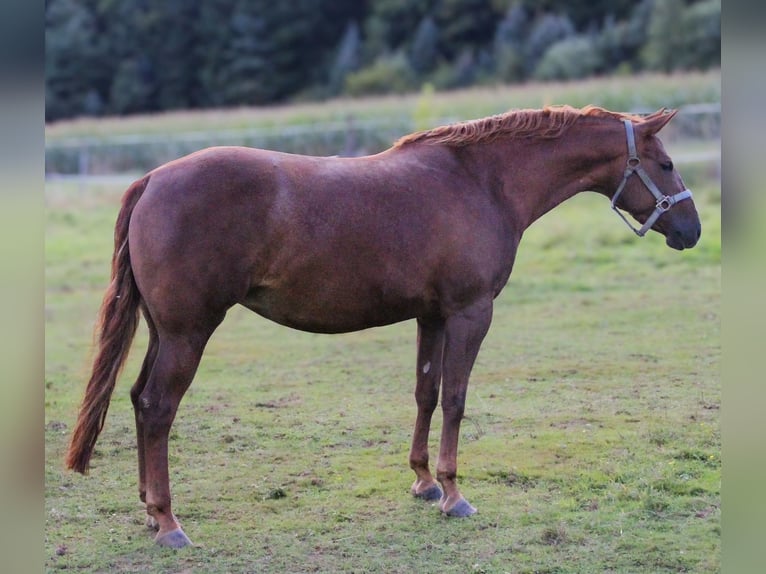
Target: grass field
591 442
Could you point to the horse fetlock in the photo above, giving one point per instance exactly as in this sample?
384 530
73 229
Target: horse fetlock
152 509
161 514
428 491
446 476
151 523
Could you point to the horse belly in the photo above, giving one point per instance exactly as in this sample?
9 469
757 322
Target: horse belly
324 307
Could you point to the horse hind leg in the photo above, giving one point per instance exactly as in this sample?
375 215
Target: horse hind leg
135 393
172 372
429 373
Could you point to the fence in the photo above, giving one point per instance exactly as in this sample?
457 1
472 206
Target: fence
84 157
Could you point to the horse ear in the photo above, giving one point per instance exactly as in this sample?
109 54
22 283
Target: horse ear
656 121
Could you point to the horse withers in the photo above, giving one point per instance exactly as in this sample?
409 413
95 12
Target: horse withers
426 230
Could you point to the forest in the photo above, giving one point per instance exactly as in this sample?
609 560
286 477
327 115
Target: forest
120 57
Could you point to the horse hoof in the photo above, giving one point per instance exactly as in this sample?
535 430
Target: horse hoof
461 509
433 492
173 539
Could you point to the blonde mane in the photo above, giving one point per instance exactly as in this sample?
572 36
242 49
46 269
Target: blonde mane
550 122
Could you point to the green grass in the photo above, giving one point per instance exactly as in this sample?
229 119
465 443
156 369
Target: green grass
591 441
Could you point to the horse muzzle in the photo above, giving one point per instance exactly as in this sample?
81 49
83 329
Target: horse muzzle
685 238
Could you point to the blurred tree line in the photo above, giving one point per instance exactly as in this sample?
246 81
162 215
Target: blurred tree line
130 56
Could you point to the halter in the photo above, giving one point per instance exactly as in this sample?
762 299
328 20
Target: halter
664 202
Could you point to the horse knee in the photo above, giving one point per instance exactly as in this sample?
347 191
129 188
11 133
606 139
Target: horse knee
419 460
427 403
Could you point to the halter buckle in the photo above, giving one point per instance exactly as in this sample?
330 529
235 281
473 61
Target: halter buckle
664 203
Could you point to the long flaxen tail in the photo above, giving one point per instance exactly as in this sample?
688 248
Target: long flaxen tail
115 329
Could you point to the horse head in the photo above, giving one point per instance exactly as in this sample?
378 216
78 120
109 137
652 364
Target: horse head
651 189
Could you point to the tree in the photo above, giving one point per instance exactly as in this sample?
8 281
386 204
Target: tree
465 25
424 52
572 58
701 34
512 29
264 55
662 50
131 92
546 31
212 33
390 24
248 68
347 58
129 56
390 74
508 44
71 60
172 40
582 13
148 46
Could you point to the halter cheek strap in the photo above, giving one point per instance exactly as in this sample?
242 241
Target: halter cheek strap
664 202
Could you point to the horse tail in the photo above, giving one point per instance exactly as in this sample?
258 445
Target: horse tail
114 332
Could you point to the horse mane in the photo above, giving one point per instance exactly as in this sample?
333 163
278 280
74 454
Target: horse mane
547 123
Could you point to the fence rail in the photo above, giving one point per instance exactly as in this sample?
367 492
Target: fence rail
132 153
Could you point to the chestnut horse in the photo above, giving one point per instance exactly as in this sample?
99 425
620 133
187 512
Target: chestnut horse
426 230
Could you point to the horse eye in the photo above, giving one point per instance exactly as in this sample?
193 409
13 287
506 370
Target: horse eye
667 166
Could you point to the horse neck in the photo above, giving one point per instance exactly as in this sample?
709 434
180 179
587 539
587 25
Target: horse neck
539 174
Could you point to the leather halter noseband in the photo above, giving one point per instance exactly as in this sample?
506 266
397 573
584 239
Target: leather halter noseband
664 202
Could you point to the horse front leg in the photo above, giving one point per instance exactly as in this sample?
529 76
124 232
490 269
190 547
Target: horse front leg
429 374
464 334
